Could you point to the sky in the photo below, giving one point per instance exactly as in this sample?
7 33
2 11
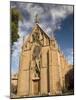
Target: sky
53 19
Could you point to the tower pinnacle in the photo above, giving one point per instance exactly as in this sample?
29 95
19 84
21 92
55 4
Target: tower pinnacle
36 18
52 36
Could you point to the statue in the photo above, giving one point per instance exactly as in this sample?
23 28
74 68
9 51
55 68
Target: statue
37 68
36 59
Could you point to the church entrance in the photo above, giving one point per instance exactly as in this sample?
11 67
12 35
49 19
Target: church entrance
36 86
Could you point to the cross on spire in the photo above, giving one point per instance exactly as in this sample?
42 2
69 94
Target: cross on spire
36 18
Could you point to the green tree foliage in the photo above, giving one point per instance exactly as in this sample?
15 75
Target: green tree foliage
15 16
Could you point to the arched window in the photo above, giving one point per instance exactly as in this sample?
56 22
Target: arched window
48 78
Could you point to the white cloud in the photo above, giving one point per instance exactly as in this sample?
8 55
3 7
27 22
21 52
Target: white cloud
55 14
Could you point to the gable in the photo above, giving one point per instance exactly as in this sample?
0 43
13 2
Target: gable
37 35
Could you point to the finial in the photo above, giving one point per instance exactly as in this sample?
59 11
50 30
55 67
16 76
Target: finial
52 36
59 47
23 38
36 18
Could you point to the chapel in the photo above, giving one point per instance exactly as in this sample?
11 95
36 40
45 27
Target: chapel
42 65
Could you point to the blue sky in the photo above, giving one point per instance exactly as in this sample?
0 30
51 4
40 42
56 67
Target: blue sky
56 19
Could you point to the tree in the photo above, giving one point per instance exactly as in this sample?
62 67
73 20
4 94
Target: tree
15 17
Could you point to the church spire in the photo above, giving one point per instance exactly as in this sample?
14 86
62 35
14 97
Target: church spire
36 19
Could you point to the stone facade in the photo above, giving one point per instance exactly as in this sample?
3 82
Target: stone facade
42 66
